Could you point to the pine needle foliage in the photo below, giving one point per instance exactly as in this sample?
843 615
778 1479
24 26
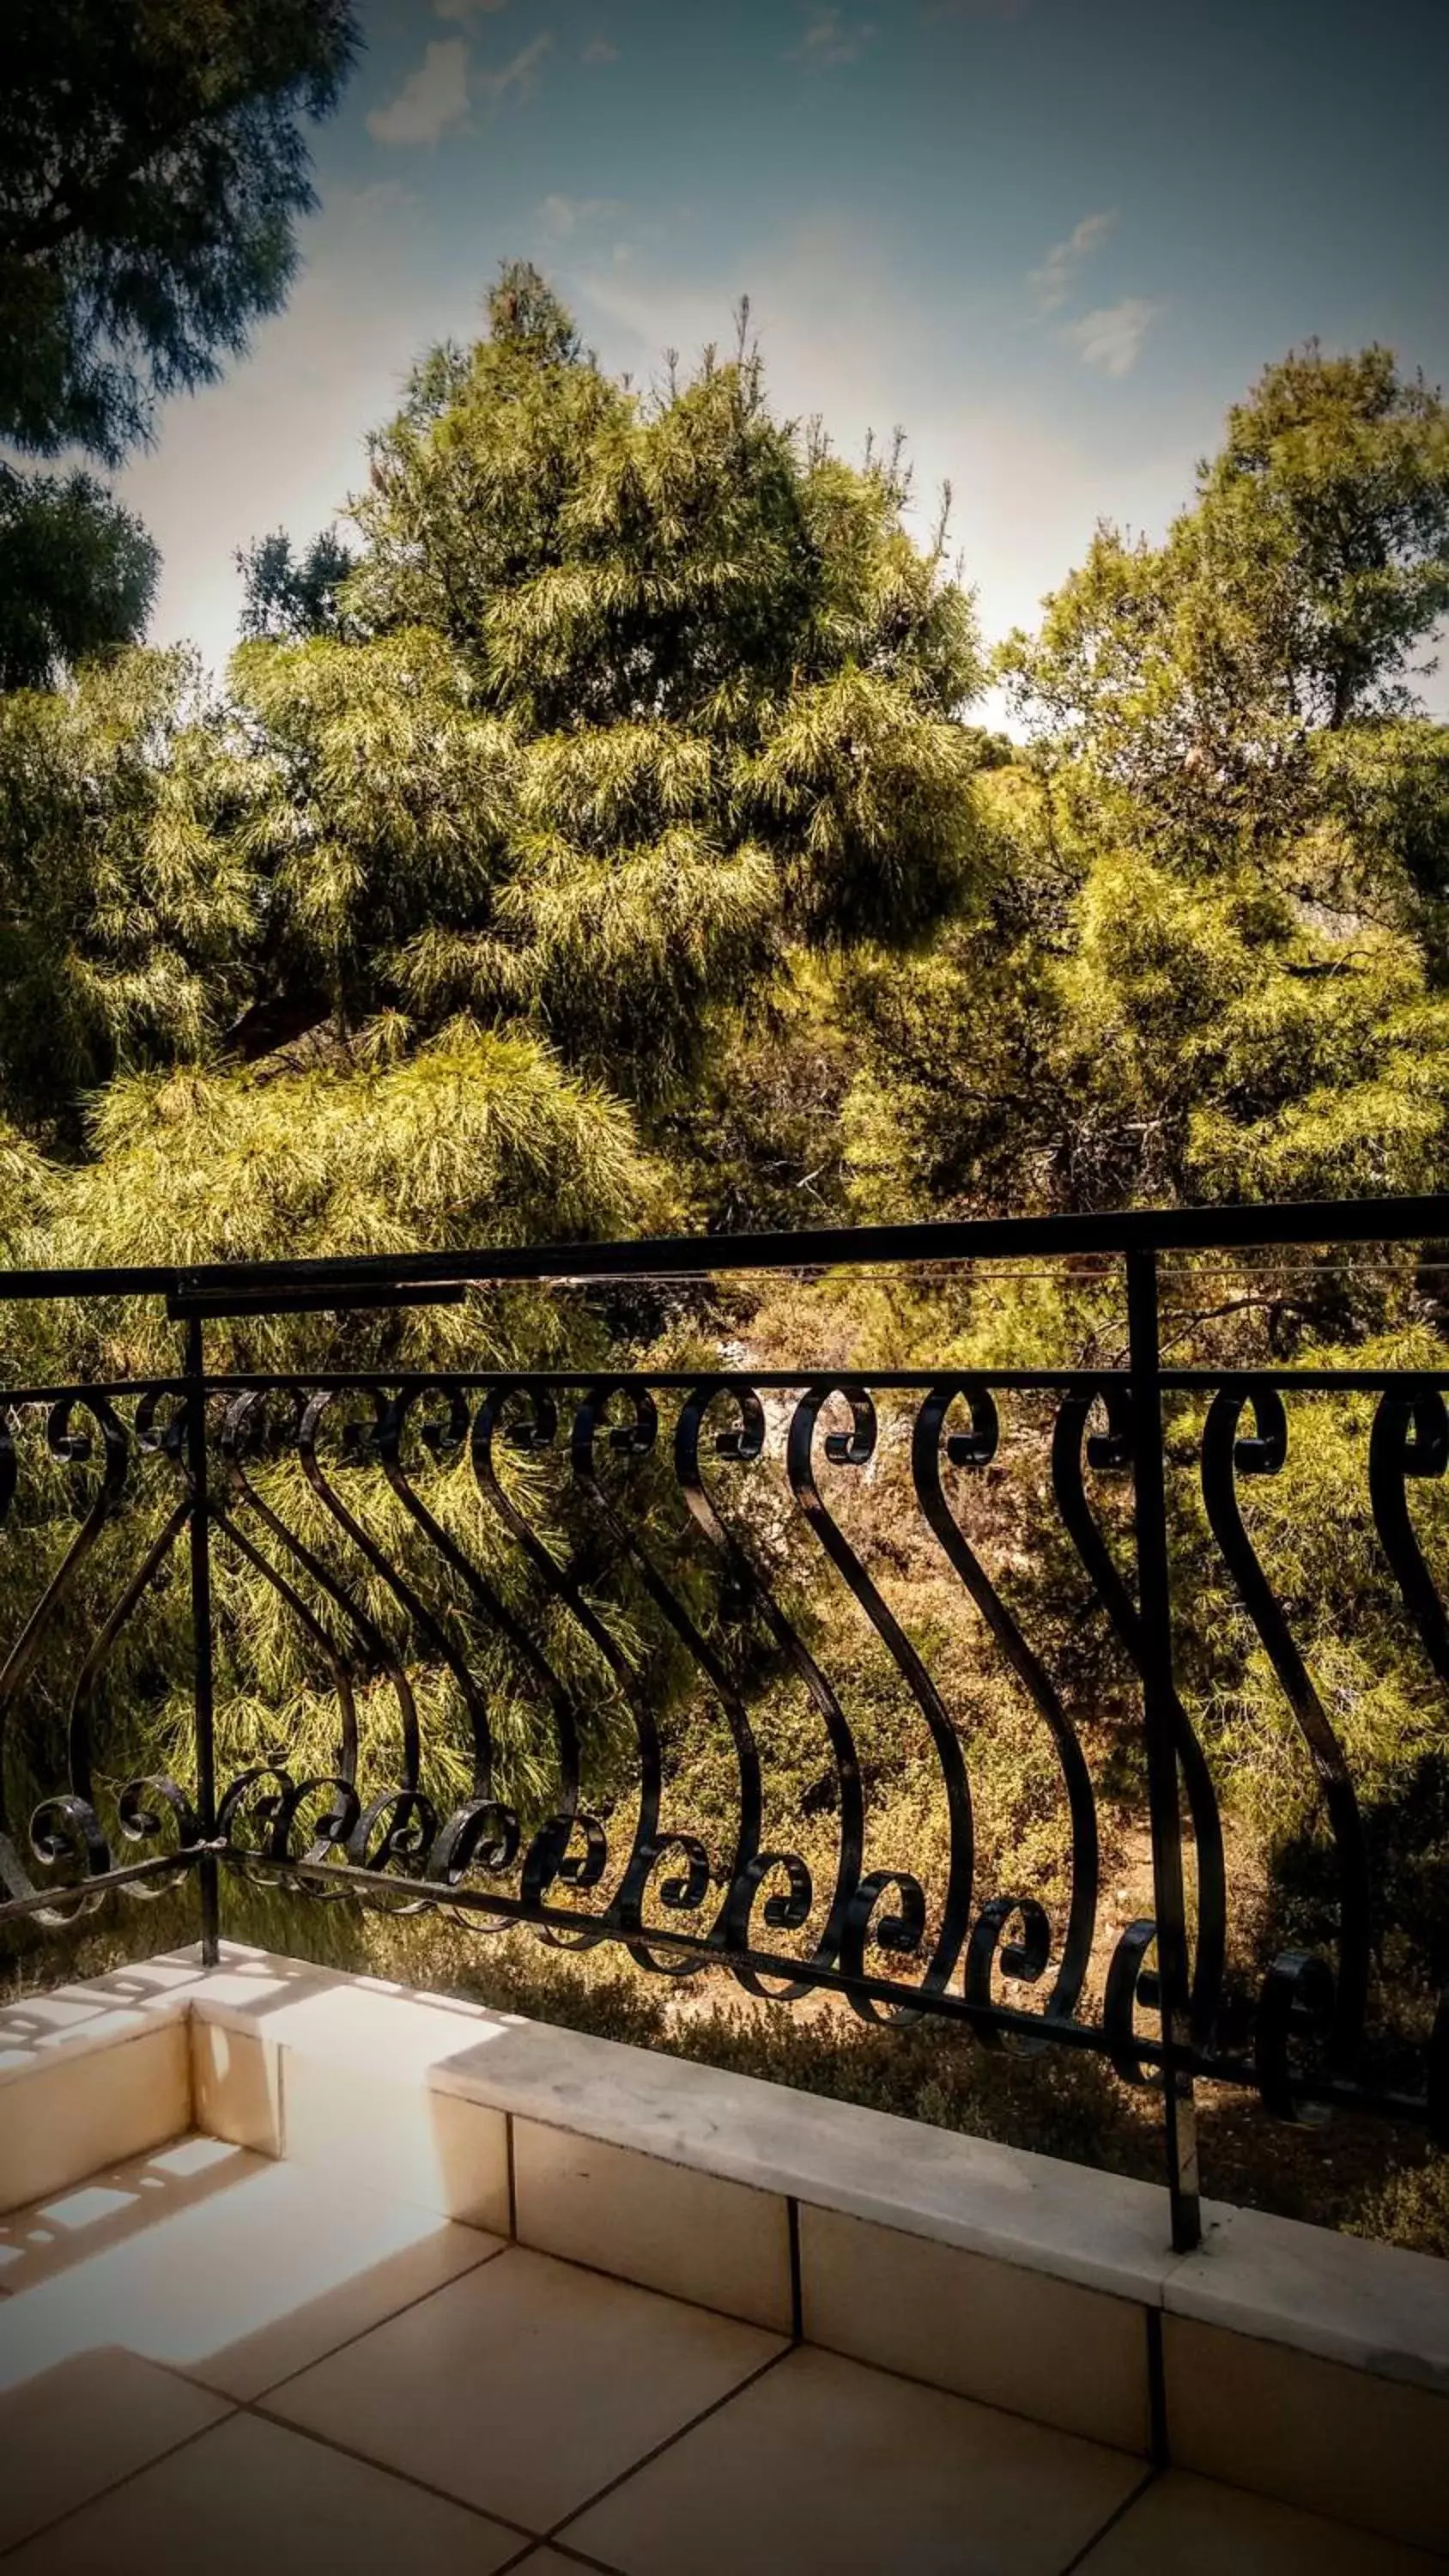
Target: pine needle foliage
126 903
641 689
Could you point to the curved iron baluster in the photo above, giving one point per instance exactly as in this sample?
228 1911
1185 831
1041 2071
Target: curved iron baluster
565 1585
484 1832
65 1824
277 1811
312 1414
550 1857
440 1438
1026 1959
651 1850
1293 1999
1109 1454
138 1821
360 1443
236 1437
1410 1437
746 1592
906 1929
348 1829
1438 2088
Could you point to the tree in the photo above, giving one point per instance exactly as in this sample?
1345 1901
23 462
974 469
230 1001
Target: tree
153 168
640 690
288 595
77 576
1201 677
1213 958
125 901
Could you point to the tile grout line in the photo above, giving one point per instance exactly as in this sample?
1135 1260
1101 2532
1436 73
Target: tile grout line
564 2549
797 2277
647 2458
274 2386
1080 2556
511 2157
129 2477
257 2406
1159 2432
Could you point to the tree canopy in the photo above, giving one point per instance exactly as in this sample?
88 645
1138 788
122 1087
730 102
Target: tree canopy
153 168
1213 963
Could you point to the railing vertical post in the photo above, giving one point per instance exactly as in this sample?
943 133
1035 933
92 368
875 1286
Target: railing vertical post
200 1536
1169 1905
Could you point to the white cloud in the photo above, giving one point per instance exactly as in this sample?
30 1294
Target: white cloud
519 75
1051 284
829 41
431 99
561 217
439 94
599 50
1112 337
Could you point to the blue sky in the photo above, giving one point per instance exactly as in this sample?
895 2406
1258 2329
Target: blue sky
1052 238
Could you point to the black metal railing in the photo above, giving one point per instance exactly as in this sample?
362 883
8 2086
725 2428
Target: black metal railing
587 1553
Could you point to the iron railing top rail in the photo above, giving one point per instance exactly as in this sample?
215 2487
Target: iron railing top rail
196 1288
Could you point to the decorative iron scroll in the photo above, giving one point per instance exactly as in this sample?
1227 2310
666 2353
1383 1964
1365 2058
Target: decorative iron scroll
553 1546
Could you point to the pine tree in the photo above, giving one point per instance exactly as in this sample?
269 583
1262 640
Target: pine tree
651 688
153 167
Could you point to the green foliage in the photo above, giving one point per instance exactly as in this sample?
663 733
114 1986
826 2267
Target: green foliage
152 168
632 693
602 847
77 576
291 595
1212 960
124 898
1288 600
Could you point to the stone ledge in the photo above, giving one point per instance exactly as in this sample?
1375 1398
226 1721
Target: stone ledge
1098 2230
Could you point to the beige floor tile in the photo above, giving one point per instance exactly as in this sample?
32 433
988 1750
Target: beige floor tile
68 2432
252 2495
550 2562
824 2464
665 2225
1195 2528
238 2284
527 2386
1046 2349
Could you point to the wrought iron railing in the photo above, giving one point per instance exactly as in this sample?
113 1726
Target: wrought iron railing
685 1549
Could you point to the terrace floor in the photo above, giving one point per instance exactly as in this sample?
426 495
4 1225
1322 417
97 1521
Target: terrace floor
210 2360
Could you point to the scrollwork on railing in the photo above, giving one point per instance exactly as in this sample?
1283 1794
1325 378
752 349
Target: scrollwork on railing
622 1563
68 1842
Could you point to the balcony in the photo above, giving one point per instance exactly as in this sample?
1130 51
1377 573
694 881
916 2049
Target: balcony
306 2260
298 2258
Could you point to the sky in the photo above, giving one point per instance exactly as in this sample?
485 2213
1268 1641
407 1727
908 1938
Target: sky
1053 239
